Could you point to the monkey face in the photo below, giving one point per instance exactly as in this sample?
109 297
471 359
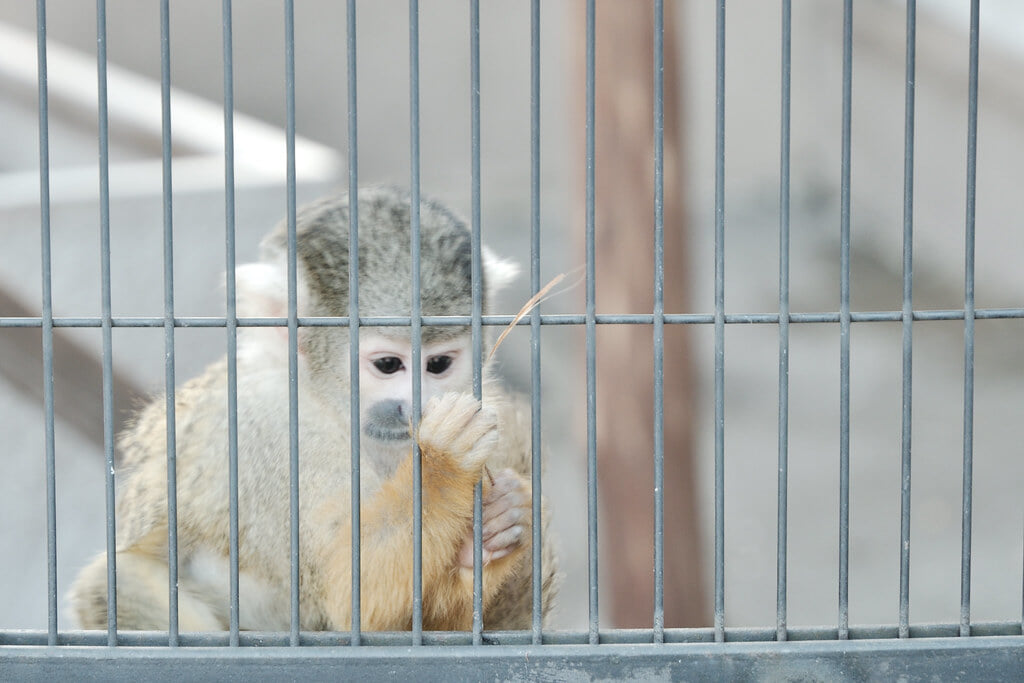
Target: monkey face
385 380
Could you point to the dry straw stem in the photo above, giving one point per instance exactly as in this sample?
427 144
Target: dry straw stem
535 300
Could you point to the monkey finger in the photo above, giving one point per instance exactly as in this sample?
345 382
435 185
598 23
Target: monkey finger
505 540
495 548
465 557
487 556
495 555
495 508
504 479
497 518
503 482
495 534
507 497
507 501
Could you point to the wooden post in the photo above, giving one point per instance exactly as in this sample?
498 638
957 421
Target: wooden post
624 242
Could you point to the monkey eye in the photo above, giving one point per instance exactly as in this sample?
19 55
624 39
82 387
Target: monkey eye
388 365
438 364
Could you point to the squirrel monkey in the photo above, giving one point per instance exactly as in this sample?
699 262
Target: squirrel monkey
459 439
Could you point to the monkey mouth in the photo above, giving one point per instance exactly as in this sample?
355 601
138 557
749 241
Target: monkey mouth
386 433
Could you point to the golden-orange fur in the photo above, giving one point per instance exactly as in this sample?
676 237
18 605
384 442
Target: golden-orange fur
454 450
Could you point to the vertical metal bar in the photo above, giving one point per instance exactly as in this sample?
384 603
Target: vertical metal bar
659 321
972 171
231 319
535 413
169 391
293 329
47 325
844 331
591 328
476 335
416 322
784 252
106 319
908 314
353 315
720 322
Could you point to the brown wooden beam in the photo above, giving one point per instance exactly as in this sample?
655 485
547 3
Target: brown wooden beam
624 240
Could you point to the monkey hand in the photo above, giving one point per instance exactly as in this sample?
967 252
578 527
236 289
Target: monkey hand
455 426
506 518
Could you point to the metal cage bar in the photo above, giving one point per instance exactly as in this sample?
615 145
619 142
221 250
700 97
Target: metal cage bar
353 310
232 319
168 324
476 328
784 254
719 322
293 315
1008 632
46 321
659 321
535 376
844 328
991 658
572 319
107 351
908 308
969 316
416 316
591 333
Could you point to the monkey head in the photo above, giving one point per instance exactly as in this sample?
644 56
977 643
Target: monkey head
384 289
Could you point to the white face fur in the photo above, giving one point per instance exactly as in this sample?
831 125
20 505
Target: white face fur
385 380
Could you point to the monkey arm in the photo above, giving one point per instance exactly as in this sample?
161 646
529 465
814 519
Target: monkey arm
455 438
506 543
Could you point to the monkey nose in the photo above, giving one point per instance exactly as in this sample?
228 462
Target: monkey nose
390 412
386 420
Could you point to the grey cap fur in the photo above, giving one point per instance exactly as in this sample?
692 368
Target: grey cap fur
385 263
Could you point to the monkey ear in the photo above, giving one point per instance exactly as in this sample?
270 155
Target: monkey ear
261 290
498 272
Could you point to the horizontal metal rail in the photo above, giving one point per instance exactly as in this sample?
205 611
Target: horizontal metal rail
640 636
986 658
545 319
